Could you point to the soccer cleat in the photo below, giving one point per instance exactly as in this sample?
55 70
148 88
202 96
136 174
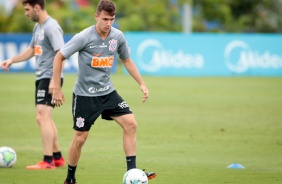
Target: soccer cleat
150 175
41 165
59 162
70 182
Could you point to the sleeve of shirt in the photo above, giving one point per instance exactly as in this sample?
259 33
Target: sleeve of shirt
123 49
55 36
31 44
73 46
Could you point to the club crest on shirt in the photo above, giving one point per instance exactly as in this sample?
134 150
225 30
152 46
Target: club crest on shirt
113 45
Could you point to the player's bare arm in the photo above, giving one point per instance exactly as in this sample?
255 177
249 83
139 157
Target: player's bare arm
131 68
23 56
51 85
55 88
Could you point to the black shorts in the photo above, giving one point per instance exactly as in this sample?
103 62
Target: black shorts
42 95
86 110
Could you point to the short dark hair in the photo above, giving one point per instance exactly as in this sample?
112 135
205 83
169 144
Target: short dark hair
106 5
32 3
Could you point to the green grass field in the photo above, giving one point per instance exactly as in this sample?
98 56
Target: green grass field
189 131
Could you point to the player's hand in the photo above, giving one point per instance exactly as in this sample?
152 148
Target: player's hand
6 64
145 92
58 98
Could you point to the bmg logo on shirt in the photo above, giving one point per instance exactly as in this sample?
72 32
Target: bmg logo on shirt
37 50
102 62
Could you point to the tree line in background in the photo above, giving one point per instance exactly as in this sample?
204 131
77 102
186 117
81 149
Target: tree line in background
234 16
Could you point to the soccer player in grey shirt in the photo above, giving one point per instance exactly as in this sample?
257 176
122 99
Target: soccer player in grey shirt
47 39
94 93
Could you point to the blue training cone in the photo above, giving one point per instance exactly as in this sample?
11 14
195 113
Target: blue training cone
235 166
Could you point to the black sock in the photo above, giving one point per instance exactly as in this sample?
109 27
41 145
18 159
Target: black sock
48 158
57 155
131 162
71 173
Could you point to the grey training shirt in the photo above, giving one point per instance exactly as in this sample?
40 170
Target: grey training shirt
46 41
95 59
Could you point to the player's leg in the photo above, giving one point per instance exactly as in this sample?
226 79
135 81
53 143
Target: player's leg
74 154
48 130
121 113
56 146
76 145
85 111
129 126
115 108
43 118
57 155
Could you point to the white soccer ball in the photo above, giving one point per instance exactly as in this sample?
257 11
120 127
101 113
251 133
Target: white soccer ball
8 157
135 176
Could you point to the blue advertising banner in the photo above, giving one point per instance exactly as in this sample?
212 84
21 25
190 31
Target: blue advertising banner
202 54
177 54
13 44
